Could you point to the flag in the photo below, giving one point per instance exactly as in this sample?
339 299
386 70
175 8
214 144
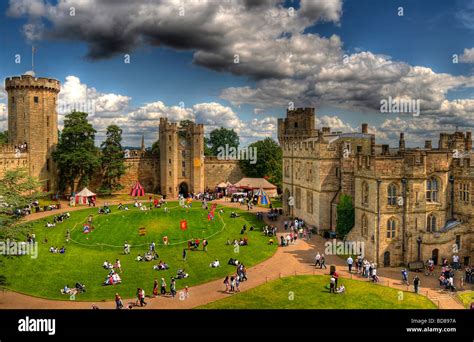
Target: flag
183 225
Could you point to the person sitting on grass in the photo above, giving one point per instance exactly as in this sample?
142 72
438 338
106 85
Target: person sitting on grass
270 242
112 279
139 258
107 265
53 249
66 290
80 287
341 289
181 274
49 225
233 262
161 266
62 250
243 242
215 264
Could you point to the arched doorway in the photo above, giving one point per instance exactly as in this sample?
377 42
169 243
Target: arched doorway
386 259
434 255
184 189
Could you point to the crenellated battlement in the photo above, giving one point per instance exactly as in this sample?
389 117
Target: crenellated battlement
28 81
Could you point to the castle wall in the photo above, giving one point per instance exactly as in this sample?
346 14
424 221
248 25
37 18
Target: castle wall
217 171
10 160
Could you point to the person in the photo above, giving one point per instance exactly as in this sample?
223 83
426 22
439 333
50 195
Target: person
323 261
416 283
118 302
173 287
185 253
126 248
350 261
341 289
142 298
318 260
232 284
226 283
163 286
94 307
204 245
332 284
155 288
118 265
336 277
215 264
404 276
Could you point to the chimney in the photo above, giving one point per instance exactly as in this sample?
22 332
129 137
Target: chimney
372 145
443 141
468 141
401 143
428 144
385 150
365 128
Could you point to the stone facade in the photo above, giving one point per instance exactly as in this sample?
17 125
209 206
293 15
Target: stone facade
32 119
217 171
410 204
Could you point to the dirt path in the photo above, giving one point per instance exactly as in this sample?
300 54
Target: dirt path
287 261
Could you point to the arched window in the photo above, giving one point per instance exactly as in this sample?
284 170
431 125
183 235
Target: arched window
432 188
365 193
431 223
365 225
391 228
392 194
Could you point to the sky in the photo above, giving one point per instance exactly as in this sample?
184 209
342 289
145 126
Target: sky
240 64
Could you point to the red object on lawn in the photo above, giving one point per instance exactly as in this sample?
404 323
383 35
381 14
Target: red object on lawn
137 190
183 224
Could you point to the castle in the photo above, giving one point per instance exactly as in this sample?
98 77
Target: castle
33 136
410 203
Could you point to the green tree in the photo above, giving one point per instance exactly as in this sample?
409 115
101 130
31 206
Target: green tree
345 215
268 162
207 148
112 159
221 137
3 137
76 156
155 149
17 190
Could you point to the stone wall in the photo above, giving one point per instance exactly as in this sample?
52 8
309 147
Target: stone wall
217 171
9 160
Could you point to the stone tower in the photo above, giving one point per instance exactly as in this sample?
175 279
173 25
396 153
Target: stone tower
32 119
181 158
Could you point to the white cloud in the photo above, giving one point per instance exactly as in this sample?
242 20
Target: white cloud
467 56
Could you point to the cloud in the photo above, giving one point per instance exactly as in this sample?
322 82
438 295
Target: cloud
467 56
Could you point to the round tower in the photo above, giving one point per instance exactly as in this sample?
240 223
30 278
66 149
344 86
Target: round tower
32 119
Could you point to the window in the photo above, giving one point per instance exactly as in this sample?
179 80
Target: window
36 99
464 192
183 173
391 228
432 188
47 121
392 194
183 153
309 172
298 198
13 99
169 161
183 164
287 168
431 223
458 242
365 194
365 225
309 202
296 125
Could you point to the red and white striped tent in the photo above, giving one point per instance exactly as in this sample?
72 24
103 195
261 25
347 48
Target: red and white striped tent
137 190
85 196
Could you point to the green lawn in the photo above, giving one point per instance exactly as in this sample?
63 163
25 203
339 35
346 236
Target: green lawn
467 297
310 292
83 260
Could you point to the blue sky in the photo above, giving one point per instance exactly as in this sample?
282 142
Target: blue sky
427 35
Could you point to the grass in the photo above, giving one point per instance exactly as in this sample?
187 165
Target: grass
467 297
82 262
311 292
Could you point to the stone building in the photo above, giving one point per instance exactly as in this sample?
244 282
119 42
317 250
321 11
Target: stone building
33 121
410 203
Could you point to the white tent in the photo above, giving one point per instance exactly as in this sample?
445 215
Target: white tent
85 196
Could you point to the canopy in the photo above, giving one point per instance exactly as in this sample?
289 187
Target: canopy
84 196
262 197
257 183
137 190
222 185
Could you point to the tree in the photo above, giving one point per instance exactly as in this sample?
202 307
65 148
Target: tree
76 155
345 215
207 148
17 190
268 162
3 137
112 159
220 138
155 149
